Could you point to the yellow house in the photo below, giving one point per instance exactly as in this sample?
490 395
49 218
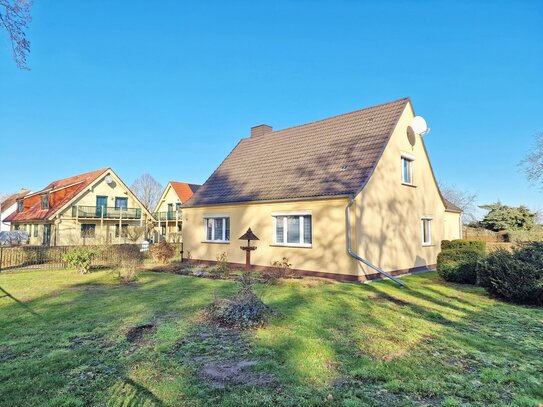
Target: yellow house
92 208
168 210
349 197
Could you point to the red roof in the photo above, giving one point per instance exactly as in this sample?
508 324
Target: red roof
60 192
184 190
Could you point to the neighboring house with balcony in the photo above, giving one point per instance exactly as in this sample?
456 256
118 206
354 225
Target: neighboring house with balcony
346 197
169 219
9 206
92 208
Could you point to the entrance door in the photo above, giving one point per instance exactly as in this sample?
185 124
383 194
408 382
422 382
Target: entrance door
46 235
101 202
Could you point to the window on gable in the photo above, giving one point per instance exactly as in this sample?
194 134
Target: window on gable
293 229
407 170
88 230
45 201
426 231
121 203
20 206
217 229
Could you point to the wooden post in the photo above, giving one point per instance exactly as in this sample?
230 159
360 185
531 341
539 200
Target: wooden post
102 221
120 226
247 260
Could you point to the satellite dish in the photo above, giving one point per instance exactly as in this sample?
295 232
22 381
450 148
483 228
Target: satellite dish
419 125
109 180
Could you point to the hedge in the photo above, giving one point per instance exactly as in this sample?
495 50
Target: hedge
464 244
516 276
459 265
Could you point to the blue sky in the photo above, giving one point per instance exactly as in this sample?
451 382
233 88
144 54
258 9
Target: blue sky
169 87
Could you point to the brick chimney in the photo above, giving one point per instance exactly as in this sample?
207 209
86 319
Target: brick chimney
260 130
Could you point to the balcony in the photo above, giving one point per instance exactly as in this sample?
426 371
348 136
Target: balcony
166 216
99 212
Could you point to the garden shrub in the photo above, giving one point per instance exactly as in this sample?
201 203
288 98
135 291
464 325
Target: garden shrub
458 260
515 276
128 260
162 251
79 258
244 310
222 266
280 269
464 244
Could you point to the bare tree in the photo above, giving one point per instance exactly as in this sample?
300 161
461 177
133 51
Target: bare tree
148 190
14 18
533 163
465 200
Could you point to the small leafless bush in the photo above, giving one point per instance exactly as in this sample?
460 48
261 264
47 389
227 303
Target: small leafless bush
127 262
162 251
222 266
280 269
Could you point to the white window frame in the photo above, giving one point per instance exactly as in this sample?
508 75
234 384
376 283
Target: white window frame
422 221
223 217
285 215
411 159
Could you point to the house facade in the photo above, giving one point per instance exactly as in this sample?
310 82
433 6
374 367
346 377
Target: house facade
168 215
9 206
325 194
92 208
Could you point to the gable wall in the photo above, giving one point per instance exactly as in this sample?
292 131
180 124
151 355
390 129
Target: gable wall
169 197
388 214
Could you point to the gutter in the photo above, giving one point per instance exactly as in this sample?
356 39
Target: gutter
356 256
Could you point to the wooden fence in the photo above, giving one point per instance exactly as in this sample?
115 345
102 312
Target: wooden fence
25 257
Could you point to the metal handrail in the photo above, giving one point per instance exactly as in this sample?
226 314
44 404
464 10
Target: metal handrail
98 212
168 215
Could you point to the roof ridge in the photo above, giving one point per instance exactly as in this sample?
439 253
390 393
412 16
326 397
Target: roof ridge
406 99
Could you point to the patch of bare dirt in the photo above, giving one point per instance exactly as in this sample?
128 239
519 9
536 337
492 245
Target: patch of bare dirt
222 356
137 334
235 372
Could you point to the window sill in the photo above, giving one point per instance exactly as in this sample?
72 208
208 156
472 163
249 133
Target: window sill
216 241
409 185
428 245
297 246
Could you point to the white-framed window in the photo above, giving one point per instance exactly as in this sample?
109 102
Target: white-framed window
426 223
293 229
217 228
408 162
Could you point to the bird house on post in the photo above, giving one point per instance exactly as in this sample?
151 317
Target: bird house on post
249 235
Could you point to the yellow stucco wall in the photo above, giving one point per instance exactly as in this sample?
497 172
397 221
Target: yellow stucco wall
168 197
327 253
388 214
452 226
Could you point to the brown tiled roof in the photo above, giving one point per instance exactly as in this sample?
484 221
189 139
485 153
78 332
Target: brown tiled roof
11 199
450 206
184 190
330 157
60 192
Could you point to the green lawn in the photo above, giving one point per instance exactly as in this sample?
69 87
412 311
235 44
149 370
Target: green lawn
63 342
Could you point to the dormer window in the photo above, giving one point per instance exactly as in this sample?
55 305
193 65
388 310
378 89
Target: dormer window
407 169
20 206
45 201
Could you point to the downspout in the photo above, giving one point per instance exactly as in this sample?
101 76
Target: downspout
356 256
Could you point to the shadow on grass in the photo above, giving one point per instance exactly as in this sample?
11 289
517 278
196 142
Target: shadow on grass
352 341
